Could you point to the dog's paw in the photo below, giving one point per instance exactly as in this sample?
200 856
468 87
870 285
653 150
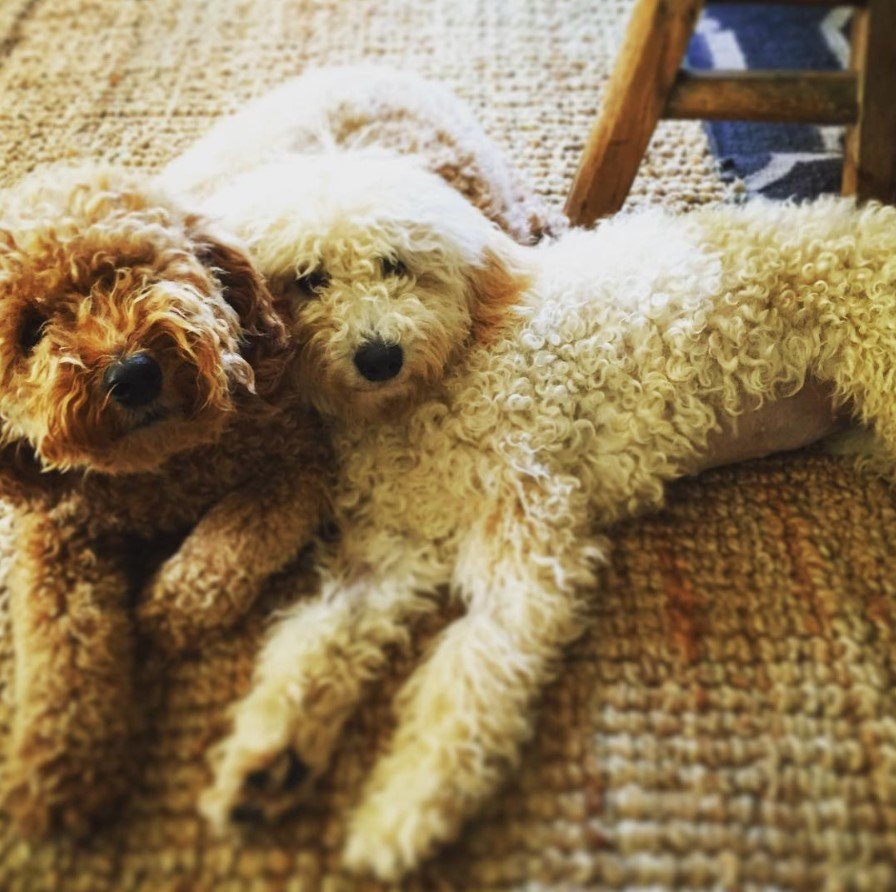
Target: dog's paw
373 855
187 603
43 797
27 803
389 838
175 614
155 626
282 741
253 787
161 616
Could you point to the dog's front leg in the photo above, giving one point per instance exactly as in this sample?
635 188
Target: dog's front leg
74 705
220 569
465 713
310 677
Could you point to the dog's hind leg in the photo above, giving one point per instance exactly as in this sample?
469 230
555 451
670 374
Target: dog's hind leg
70 750
310 677
858 358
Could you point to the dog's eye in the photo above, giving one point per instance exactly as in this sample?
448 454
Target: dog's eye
32 329
313 283
393 266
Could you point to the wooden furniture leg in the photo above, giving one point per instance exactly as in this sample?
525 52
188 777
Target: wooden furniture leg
633 101
647 84
869 165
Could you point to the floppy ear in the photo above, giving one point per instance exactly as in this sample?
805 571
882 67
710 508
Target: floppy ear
265 343
496 284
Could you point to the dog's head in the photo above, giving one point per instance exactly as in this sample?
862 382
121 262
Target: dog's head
127 328
390 273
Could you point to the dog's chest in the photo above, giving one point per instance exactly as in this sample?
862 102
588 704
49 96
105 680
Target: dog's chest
188 486
552 417
149 504
431 478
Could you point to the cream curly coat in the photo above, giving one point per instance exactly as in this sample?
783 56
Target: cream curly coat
568 384
366 106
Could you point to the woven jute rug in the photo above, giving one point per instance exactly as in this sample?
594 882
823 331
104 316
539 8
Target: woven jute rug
729 722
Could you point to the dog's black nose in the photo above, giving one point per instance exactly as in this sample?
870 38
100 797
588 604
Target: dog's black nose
379 361
134 381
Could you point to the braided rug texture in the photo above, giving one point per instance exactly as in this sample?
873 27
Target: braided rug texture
728 721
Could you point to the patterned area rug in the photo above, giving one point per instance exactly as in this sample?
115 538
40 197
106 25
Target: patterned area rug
729 720
775 160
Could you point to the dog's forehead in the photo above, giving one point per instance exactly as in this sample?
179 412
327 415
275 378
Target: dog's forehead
79 249
67 283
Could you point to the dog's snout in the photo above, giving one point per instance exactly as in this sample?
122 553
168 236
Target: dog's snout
379 361
134 381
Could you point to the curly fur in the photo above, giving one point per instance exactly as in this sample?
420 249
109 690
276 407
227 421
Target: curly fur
94 267
624 350
363 107
449 292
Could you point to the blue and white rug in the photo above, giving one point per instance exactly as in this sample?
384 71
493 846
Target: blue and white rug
775 160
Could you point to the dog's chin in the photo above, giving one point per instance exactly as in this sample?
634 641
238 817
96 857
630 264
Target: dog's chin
369 402
151 418
151 441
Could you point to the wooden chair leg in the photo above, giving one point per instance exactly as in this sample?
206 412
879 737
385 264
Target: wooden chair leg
651 54
869 165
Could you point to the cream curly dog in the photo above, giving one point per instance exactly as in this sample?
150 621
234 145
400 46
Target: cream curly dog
367 106
546 393
141 398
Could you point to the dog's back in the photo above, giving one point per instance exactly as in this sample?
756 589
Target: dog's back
366 107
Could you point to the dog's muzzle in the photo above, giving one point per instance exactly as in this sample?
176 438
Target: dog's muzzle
378 361
134 382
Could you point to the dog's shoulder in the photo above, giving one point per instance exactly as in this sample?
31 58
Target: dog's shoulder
262 440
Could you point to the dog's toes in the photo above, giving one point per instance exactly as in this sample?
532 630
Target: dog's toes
44 792
268 791
260 779
399 824
369 854
256 785
284 774
247 815
296 771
